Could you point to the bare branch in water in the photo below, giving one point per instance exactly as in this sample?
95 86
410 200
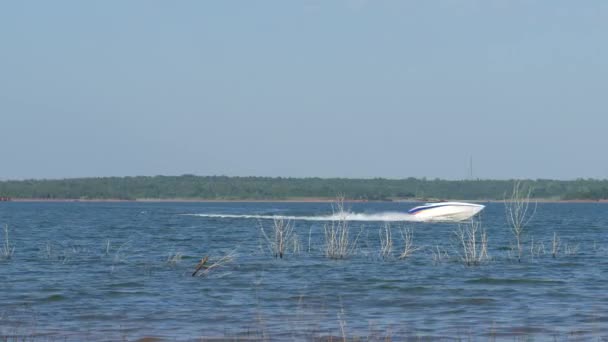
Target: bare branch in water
338 244
200 265
208 265
282 235
386 241
408 243
519 213
473 241
6 251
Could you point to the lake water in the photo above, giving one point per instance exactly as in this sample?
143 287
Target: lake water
123 271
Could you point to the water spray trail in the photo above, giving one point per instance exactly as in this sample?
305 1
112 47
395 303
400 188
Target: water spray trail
348 216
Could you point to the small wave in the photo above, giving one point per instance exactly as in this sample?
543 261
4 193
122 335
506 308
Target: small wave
348 216
509 281
473 301
54 298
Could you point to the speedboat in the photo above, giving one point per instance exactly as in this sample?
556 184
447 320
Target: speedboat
446 211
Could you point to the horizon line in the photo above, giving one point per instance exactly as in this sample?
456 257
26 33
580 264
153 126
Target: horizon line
419 178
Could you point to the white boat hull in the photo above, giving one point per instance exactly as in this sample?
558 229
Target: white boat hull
446 211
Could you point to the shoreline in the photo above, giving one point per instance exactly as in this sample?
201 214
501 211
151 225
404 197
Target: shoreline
289 200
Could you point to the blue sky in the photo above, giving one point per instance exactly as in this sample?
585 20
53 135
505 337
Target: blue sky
304 88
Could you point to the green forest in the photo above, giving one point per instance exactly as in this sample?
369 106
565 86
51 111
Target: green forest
278 188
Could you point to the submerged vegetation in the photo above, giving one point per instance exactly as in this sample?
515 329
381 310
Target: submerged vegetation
269 188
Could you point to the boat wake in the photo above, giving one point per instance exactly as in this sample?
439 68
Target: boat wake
348 216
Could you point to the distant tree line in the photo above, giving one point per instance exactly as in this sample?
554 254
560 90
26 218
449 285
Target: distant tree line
278 188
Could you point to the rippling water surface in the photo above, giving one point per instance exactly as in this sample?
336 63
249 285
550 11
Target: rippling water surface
109 271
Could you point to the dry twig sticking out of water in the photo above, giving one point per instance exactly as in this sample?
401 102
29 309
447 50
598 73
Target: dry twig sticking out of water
473 241
555 245
386 241
200 265
571 249
519 213
536 249
174 258
207 266
6 251
408 243
282 235
338 244
439 255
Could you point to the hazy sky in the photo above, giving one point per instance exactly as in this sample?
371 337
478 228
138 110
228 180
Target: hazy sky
304 88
